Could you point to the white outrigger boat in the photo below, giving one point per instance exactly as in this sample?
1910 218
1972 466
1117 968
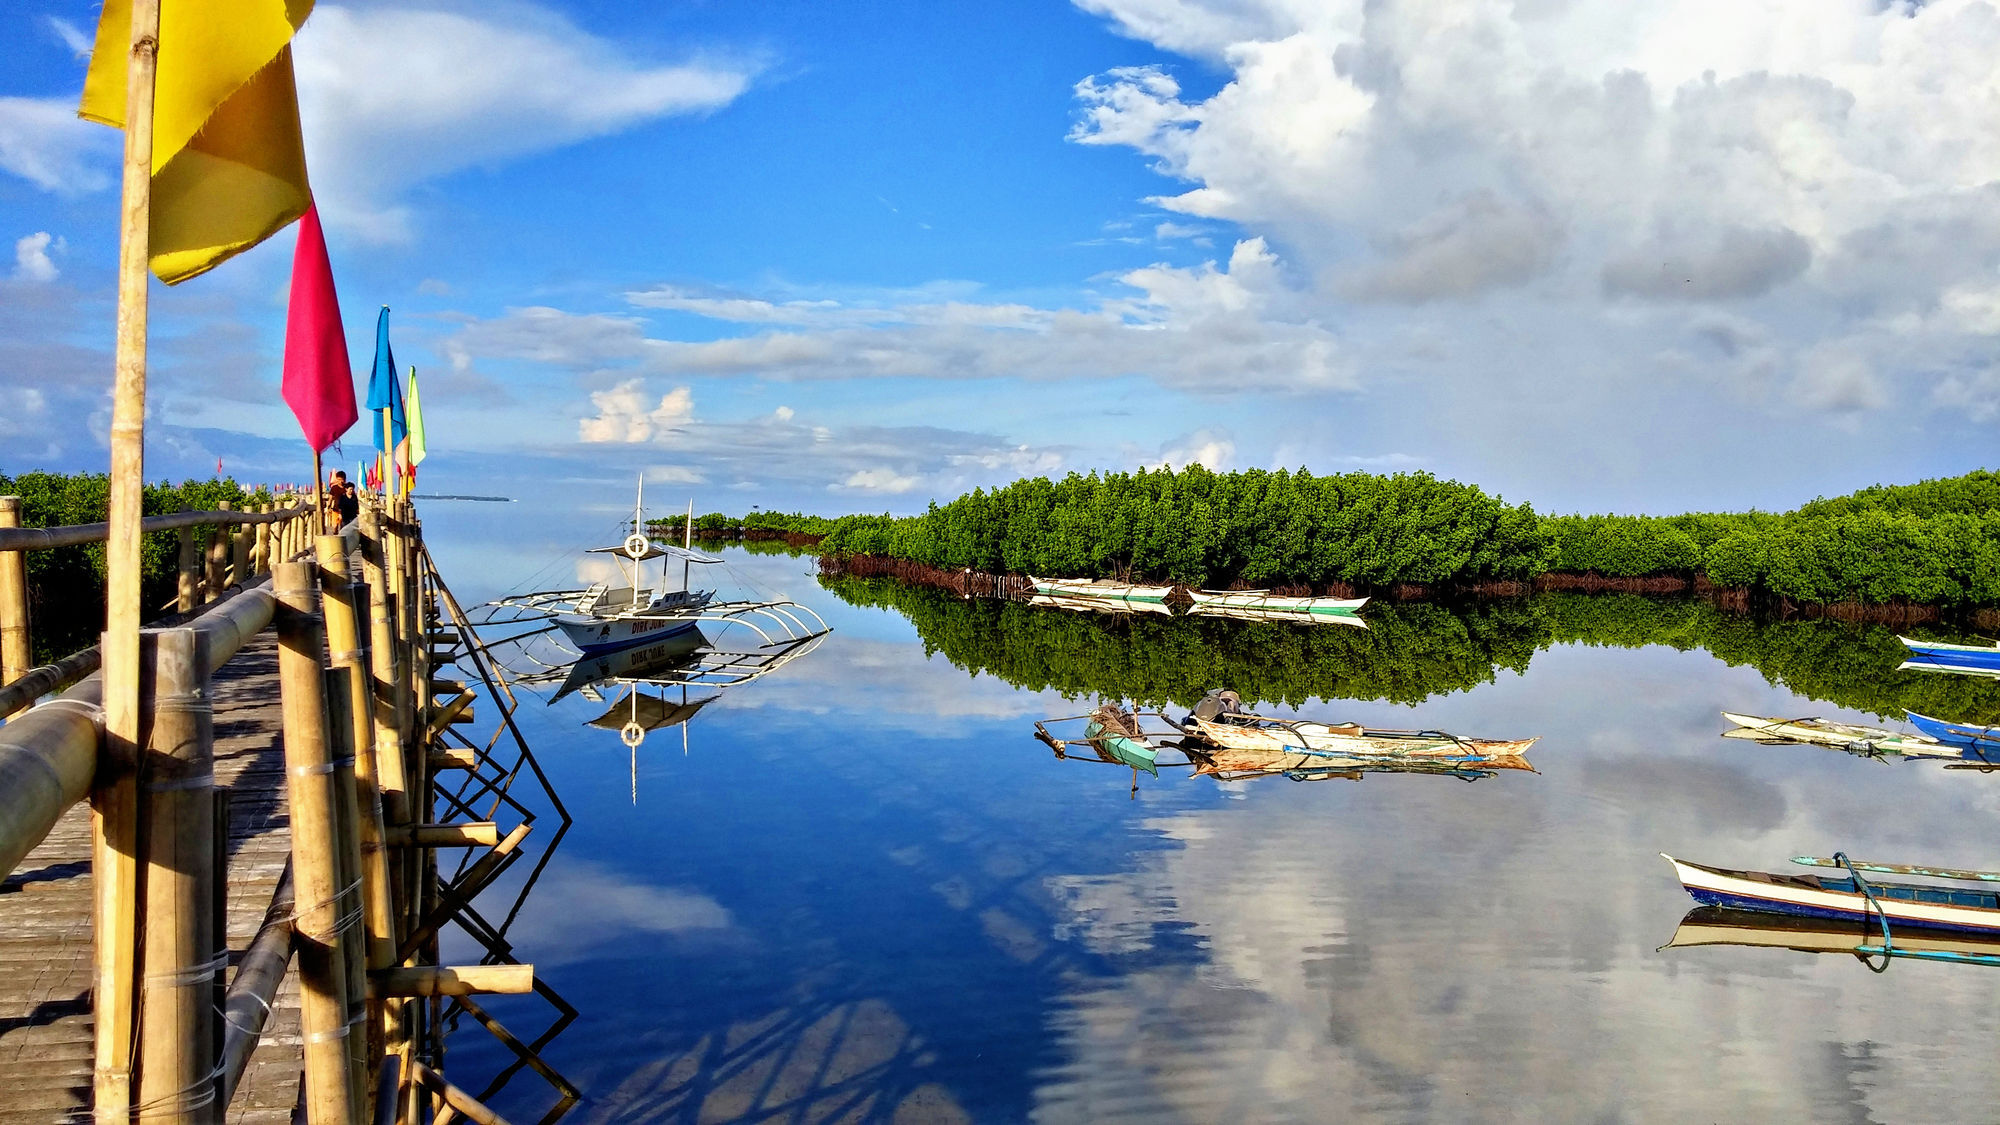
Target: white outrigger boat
1265 604
1863 741
607 617
1098 589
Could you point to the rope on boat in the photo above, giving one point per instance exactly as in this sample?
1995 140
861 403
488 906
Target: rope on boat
1888 949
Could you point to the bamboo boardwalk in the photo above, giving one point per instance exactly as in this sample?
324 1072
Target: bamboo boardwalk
45 924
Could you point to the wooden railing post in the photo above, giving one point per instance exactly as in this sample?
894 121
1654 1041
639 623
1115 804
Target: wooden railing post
17 649
260 550
183 954
385 669
360 803
185 590
239 554
324 901
215 580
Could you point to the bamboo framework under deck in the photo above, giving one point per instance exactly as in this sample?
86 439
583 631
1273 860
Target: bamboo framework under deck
362 904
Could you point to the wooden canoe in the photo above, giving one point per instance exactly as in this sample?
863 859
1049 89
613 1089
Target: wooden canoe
1098 588
1965 910
1242 742
1854 738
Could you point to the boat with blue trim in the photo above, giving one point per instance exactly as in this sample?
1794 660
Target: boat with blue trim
1848 896
1938 656
1982 742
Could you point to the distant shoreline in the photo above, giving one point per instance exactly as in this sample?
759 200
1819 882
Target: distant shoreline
449 496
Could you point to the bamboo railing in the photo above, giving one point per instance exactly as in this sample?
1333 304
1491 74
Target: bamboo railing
361 904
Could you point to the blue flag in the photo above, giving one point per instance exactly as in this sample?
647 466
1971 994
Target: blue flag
384 393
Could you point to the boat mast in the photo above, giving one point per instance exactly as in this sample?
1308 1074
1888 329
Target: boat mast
687 544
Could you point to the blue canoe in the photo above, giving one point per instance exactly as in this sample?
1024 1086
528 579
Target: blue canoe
1952 658
1983 742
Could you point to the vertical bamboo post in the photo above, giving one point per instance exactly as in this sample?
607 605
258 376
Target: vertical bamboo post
17 650
239 554
359 804
216 579
177 1032
185 582
114 803
315 837
392 761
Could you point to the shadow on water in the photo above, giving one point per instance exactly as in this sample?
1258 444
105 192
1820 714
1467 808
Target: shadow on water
1409 652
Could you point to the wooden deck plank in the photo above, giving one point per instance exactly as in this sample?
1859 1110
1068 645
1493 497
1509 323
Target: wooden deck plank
45 950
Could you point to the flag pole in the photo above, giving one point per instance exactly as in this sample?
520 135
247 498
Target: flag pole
319 497
114 805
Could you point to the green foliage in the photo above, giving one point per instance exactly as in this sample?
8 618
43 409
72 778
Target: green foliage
1410 652
66 585
1207 529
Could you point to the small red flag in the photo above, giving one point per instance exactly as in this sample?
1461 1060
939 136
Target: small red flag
318 385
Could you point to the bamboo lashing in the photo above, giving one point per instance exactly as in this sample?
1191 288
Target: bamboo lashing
114 807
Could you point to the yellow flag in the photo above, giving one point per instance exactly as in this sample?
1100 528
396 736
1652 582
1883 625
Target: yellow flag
229 168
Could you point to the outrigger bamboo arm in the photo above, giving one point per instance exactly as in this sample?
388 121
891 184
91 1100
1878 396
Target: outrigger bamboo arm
481 833
451 980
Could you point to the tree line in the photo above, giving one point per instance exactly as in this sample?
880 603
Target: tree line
1932 543
1410 652
66 584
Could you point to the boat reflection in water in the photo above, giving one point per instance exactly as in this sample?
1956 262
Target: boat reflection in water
1222 741
651 687
1715 925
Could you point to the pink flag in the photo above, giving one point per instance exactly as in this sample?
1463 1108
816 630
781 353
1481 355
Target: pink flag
318 386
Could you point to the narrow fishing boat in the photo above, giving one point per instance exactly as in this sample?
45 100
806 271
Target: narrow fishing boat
1864 741
1264 602
1098 605
1099 589
1112 734
1937 656
1981 742
1849 895
1278 615
1236 740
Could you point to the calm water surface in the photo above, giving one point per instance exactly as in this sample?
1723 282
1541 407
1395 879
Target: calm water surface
865 893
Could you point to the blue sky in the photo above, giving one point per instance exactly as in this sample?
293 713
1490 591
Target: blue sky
859 256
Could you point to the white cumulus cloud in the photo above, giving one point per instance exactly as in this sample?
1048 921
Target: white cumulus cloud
31 257
623 414
42 141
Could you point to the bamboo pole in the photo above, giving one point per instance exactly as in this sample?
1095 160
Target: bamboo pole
309 765
217 578
47 759
459 1101
260 552
246 1007
383 668
114 807
185 579
17 653
452 980
177 1041
475 833
239 555
359 800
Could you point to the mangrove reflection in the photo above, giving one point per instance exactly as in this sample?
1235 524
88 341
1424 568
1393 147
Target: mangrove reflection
1409 652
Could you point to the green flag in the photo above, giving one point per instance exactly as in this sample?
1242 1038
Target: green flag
415 410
